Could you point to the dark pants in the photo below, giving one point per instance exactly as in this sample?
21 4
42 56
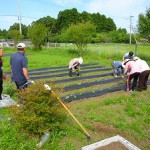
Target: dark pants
77 71
135 77
143 78
21 85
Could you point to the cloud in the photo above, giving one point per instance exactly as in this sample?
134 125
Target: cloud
119 10
111 7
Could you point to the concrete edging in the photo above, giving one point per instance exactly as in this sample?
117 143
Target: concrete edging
107 141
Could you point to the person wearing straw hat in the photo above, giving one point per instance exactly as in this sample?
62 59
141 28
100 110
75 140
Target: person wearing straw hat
2 76
145 72
134 72
74 64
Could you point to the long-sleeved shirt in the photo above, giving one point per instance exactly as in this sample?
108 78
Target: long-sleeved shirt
74 62
142 64
132 67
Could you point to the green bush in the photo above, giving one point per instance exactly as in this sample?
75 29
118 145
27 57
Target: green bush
39 111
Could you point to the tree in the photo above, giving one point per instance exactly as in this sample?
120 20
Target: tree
66 18
15 34
144 25
80 34
24 28
37 33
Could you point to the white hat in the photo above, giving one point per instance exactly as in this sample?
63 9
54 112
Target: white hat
126 60
136 58
80 60
21 45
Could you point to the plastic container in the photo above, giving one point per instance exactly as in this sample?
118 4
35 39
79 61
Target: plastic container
45 137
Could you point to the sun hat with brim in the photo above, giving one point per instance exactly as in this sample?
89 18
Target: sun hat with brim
21 45
126 61
80 60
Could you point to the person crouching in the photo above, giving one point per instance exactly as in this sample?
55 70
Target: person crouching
74 64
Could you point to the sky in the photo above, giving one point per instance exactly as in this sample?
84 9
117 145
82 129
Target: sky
32 10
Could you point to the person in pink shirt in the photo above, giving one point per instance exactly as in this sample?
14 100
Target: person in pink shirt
145 72
74 64
134 72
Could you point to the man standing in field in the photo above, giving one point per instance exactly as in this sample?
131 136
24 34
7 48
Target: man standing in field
74 64
18 64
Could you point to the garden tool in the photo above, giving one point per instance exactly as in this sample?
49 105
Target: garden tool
47 87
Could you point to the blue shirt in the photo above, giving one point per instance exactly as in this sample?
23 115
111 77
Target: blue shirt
117 64
18 61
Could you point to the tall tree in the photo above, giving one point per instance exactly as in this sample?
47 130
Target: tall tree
49 23
37 33
66 18
80 34
16 36
24 28
144 25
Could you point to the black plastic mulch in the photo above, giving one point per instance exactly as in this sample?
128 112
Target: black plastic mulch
62 70
60 67
67 74
57 67
88 84
82 77
94 93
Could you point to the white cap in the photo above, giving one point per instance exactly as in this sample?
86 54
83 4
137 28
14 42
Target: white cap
21 45
80 60
136 58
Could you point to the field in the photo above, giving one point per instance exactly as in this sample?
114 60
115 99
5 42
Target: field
116 113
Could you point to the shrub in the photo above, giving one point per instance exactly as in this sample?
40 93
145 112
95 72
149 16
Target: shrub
39 111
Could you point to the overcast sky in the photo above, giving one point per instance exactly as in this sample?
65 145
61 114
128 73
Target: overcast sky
31 10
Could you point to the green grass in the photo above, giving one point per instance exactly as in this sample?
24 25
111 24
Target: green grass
117 113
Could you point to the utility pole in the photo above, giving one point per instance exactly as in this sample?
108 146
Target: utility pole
130 27
19 16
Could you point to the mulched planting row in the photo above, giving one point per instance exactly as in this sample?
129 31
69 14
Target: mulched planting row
61 70
67 74
60 67
87 84
82 78
94 93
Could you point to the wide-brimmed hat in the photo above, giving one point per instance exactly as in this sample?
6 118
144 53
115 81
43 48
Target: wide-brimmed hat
80 60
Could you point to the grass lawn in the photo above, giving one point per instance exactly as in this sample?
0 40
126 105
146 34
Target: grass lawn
117 113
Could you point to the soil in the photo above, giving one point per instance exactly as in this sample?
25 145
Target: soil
113 146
